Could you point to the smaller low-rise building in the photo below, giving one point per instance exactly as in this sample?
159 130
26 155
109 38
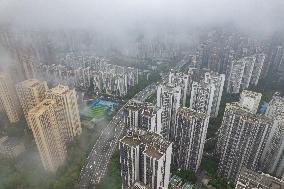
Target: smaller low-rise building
11 147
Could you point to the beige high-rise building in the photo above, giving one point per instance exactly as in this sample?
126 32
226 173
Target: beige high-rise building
67 111
45 128
8 98
31 92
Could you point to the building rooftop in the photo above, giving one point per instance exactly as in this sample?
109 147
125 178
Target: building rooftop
153 152
251 94
139 185
30 82
237 108
188 113
250 179
41 107
156 144
131 140
60 89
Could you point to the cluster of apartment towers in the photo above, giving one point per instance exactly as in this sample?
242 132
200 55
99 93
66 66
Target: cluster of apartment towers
169 136
52 115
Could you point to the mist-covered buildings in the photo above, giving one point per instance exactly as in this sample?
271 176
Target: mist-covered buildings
46 131
31 92
244 72
67 111
90 73
8 99
11 147
145 157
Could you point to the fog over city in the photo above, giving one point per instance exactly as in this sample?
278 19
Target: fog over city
150 94
114 17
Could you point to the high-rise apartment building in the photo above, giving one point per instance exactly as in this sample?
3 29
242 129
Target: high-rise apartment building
189 138
258 66
249 179
235 75
241 141
46 132
168 99
275 108
244 72
143 116
273 156
182 80
145 157
8 98
206 91
31 92
66 111
28 65
250 100
248 70
202 94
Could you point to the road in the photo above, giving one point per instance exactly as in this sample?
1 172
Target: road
101 153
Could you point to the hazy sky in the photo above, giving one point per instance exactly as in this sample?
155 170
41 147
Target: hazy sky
121 15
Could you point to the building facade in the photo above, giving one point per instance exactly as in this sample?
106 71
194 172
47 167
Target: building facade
182 80
273 156
46 132
189 138
31 92
206 89
202 95
241 141
145 157
168 99
143 116
236 72
67 111
9 100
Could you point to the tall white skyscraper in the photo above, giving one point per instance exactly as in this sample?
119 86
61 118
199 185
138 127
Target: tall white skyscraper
241 141
189 138
143 116
202 94
272 159
145 157
168 98
182 80
206 91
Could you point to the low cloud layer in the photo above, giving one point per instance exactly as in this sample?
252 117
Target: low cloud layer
120 16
